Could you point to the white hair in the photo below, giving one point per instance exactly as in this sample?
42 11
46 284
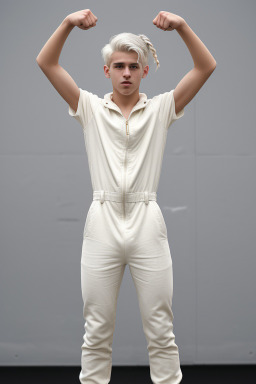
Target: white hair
125 42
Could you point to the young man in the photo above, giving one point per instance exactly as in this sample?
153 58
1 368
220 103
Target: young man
125 135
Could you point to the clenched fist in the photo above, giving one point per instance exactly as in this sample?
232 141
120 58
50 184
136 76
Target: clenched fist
168 21
84 19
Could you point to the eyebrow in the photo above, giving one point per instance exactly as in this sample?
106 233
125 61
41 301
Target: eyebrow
124 63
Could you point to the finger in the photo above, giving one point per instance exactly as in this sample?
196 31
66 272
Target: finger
95 17
161 21
93 20
158 21
90 19
86 22
166 23
81 24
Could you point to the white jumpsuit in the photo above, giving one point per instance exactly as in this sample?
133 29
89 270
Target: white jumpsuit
125 225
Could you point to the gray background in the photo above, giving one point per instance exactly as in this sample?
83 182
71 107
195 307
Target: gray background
206 187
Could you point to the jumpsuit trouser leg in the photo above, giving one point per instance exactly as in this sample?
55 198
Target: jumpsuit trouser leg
101 280
110 243
153 280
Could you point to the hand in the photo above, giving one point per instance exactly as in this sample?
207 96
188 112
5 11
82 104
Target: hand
84 19
168 21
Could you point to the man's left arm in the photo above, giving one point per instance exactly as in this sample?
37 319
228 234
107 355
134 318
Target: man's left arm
204 62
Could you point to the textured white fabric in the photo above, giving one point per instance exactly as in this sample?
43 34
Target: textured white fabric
125 225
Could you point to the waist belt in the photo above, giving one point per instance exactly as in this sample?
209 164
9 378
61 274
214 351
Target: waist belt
130 197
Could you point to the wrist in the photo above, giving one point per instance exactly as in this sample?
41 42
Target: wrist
183 24
67 23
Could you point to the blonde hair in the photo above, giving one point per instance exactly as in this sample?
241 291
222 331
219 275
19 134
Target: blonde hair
124 42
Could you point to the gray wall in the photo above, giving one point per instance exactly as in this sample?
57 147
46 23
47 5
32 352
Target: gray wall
206 187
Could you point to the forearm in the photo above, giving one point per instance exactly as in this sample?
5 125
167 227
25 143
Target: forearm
201 56
50 53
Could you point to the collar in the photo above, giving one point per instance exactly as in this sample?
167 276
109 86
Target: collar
108 103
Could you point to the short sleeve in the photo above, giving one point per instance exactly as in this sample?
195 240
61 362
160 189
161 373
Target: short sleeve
167 109
87 104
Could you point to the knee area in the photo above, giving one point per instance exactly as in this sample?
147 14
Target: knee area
99 329
158 328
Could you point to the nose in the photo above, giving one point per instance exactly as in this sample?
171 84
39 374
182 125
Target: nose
127 72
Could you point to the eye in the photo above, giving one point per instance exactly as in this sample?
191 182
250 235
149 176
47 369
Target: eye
120 65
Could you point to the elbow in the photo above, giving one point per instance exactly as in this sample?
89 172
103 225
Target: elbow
208 69
38 61
214 66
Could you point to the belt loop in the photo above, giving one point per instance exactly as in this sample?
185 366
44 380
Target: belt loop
102 196
146 197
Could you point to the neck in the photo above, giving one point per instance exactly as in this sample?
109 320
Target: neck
125 101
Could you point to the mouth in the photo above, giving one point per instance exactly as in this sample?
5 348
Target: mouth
126 82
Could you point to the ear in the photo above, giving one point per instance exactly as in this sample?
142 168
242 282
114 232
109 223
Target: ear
145 71
106 71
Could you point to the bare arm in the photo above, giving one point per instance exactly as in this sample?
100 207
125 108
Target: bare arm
204 65
48 58
204 62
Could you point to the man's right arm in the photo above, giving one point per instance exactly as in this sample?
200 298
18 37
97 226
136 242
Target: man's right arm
48 58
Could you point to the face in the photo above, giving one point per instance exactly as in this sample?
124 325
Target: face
129 70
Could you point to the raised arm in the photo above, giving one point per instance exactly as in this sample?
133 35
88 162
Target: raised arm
48 58
204 62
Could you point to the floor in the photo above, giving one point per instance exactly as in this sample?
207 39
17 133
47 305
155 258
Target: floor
196 374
